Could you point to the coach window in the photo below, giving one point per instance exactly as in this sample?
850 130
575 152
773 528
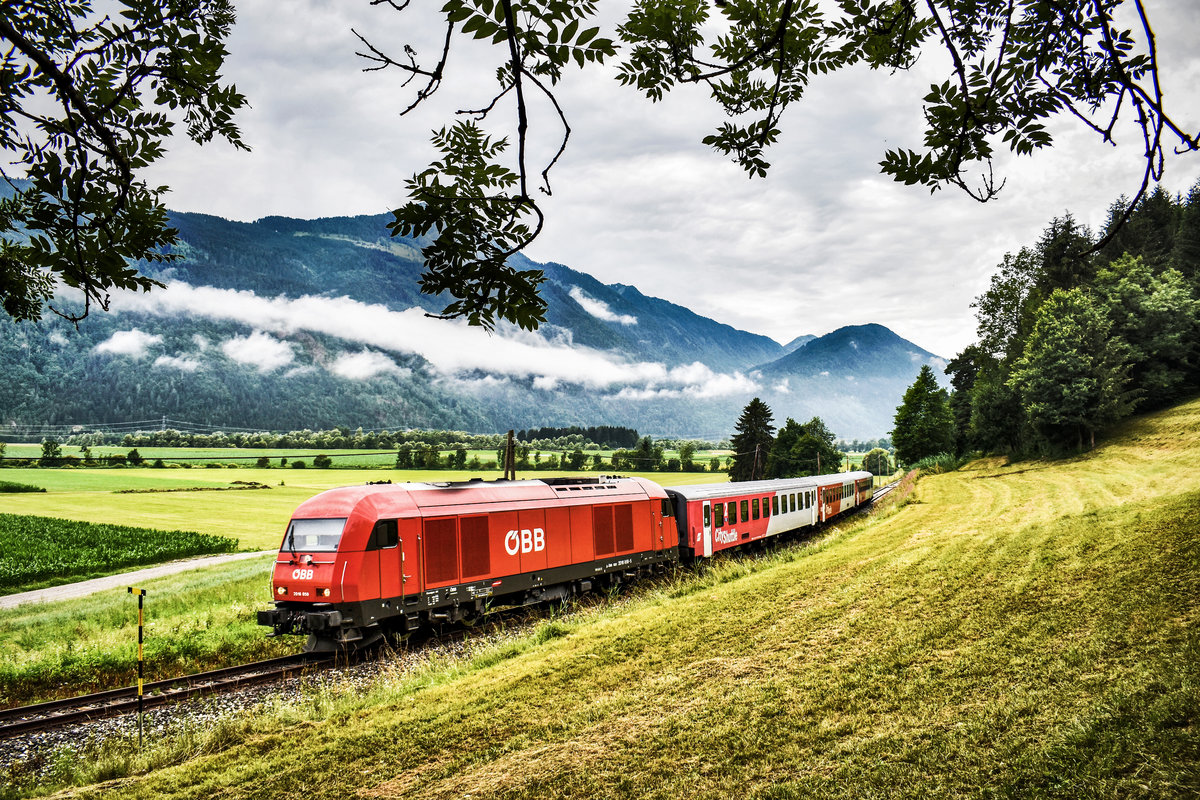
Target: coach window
775 504
707 518
719 514
754 507
733 513
792 502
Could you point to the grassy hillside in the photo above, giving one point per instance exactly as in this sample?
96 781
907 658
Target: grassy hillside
1010 631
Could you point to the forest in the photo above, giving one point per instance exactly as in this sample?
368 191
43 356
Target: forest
1081 329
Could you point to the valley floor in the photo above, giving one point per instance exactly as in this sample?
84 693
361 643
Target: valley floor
1025 630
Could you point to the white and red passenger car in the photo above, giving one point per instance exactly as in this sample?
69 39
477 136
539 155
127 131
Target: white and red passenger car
362 562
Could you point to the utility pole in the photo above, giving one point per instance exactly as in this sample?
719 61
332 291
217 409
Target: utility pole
510 458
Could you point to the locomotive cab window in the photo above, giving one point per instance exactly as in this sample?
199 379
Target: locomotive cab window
314 535
385 534
668 510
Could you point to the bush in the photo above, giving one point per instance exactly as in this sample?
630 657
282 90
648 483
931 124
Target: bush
297 464
942 462
11 487
321 461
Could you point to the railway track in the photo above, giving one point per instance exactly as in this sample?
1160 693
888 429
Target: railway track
52 714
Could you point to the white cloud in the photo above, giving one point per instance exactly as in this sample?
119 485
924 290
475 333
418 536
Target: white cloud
453 349
181 363
784 386
599 309
201 341
133 343
545 383
57 338
366 364
259 350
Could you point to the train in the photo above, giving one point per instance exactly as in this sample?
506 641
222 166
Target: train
358 564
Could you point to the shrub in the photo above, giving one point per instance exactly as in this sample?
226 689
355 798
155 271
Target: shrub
298 464
321 461
11 487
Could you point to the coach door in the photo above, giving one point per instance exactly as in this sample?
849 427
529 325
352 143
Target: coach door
708 539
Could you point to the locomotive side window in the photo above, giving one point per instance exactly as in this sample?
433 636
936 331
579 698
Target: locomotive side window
754 507
476 551
668 510
314 535
719 514
385 534
746 511
441 550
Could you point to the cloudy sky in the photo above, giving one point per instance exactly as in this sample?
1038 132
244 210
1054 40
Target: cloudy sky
824 241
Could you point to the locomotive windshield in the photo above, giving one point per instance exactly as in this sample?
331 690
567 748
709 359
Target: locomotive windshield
314 535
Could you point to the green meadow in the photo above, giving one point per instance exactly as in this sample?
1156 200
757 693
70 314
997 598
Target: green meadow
1005 630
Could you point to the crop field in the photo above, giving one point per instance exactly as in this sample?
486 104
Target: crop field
1006 630
37 551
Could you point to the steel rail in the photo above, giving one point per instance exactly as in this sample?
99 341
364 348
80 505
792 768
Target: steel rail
54 713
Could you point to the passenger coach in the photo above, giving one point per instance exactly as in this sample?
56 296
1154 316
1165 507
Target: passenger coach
717 516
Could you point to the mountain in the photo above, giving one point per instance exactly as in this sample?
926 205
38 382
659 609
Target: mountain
797 343
286 323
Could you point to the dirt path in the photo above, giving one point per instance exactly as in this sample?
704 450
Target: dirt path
71 591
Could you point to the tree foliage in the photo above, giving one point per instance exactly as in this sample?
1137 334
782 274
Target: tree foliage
1072 376
1014 66
86 101
924 424
1074 336
752 440
803 449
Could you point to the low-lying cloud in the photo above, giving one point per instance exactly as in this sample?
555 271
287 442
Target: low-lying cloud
453 349
259 350
598 308
133 343
366 364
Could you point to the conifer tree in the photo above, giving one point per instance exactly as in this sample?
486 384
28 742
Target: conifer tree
752 442
924 424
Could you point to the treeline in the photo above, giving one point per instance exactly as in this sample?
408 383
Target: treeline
603 435
1073 338
339 438
796 450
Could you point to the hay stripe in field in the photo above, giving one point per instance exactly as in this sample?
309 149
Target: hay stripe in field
71 591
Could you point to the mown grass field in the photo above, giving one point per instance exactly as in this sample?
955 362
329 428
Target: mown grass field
1025 630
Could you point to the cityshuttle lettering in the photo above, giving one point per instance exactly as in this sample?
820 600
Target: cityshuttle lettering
726 537
525 541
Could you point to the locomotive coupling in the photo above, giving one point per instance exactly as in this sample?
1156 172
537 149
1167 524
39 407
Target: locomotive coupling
300 620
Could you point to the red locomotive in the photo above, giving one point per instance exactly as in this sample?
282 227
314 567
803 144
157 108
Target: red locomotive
363 562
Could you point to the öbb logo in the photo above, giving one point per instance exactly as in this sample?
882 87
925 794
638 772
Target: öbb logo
525 541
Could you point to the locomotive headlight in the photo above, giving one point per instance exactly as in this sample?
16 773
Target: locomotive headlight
322 593
280 590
